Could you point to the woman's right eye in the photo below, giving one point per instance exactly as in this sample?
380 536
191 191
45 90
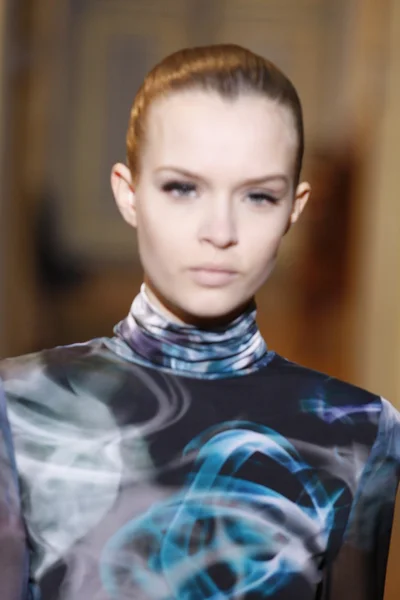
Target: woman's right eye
179 188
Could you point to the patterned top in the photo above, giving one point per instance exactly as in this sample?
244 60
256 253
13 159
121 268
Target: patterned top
151 483
13 548
232 350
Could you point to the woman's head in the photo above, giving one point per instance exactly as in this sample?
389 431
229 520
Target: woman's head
227 70
215 144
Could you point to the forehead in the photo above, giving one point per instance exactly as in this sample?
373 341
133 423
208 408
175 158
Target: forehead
197 129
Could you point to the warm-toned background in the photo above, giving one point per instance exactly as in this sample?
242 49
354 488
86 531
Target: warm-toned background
69 266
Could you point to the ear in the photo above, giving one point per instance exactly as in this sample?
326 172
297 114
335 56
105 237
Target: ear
124 194
302 195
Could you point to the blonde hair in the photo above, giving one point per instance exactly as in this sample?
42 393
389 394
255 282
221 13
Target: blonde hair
226 69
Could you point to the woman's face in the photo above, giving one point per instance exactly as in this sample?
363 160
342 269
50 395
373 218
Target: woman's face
214 198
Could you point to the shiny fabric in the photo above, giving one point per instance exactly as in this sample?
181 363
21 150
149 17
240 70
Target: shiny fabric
170 463
236 349
138 483
13 546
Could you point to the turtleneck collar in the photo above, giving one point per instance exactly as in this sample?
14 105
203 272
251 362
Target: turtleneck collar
154 341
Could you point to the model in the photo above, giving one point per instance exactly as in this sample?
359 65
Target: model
182 458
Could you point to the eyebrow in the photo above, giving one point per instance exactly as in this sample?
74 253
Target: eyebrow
254 181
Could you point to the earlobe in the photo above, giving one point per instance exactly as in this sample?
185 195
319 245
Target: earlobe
124 194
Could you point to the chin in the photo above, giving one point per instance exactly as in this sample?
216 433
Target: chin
211 308
196 305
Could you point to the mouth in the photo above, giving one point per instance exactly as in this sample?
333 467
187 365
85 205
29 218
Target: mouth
213 276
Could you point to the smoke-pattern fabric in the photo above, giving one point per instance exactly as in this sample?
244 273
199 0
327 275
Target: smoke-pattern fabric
235 349
13 547
140 482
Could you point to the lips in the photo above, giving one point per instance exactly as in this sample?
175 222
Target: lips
213 275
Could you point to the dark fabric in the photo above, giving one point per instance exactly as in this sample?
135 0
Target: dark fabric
138 483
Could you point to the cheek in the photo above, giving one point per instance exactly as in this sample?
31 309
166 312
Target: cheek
263 256
264 239
261 259
157 234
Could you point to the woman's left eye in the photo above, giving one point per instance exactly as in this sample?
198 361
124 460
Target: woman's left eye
262 198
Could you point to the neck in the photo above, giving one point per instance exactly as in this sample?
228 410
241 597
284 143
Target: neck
175 314
217 350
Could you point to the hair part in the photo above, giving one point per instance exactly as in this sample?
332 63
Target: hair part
227 69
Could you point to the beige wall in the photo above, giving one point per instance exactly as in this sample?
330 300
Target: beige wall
2 25
26 96
2 225
378 288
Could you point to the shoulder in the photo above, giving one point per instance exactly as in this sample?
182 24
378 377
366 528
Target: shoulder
320 388
62 356
349 412
352 417
57 397
24 376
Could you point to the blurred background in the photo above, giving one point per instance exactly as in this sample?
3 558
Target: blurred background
68 264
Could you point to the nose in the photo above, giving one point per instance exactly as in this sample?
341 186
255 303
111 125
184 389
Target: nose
218 226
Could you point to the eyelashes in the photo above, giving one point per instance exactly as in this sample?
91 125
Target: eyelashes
179 188
185 189
262 198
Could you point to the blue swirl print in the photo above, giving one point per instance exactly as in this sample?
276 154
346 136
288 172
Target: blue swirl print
346 414
224 528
